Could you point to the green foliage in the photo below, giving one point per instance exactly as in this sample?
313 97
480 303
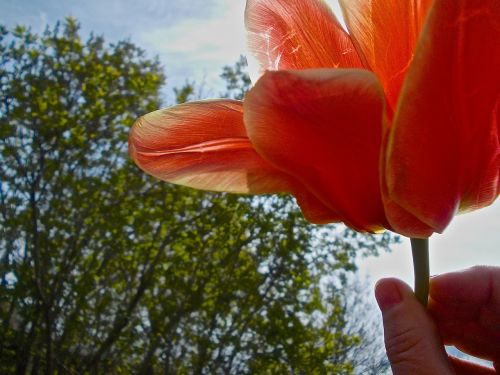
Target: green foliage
237 79
106 270
184 93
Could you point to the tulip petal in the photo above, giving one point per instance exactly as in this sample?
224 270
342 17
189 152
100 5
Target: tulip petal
385 33
401 220
323 127
443 155
203 145
313 209
297 34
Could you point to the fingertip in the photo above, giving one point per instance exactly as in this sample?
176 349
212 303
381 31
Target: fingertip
387 294
390 292
409 332
471 286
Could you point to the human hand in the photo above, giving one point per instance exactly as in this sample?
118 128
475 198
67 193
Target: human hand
464 311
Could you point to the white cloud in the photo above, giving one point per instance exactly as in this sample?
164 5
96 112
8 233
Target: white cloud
197 48
471 239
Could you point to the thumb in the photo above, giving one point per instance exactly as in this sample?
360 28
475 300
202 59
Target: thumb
411 338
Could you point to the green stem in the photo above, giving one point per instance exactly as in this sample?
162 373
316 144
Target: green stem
420 253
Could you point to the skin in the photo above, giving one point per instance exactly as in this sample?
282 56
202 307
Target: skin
463 311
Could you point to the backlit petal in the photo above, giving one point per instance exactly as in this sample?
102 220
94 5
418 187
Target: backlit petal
324 127
403 221
203 145
313 209
444 153
385 32
297 34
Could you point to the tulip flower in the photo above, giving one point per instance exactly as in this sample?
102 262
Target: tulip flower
393 124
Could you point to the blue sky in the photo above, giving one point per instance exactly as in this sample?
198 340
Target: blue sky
194 39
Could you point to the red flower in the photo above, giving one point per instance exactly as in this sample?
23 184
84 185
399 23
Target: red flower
394 124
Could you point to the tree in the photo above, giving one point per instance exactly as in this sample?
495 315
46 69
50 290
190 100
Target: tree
106 270
368 357
65 110
237 79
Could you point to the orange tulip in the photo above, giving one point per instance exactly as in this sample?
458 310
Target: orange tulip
393 124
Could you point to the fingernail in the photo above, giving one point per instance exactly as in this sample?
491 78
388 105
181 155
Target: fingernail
387 294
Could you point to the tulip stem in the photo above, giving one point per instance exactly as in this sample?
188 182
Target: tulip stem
420 253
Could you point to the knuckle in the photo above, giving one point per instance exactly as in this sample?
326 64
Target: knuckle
405 346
